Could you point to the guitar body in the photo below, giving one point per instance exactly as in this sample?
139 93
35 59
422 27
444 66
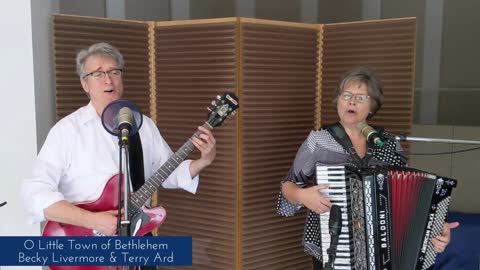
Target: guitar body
144 221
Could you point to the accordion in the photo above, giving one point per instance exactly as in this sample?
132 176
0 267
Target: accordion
388 217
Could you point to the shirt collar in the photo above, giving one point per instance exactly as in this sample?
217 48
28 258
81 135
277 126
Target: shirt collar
88 113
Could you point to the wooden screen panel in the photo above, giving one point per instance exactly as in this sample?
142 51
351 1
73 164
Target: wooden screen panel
278 86
388 48
195 61
72 33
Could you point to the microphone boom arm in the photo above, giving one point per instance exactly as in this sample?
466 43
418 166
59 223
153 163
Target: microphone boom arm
403 138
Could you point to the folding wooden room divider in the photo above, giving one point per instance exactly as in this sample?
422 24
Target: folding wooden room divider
283 74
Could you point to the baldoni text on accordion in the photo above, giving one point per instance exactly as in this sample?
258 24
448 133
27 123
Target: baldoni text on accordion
389 216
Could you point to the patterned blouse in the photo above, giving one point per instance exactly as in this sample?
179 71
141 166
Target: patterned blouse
321 148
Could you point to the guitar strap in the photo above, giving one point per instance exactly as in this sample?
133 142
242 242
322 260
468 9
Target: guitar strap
137 172
338 133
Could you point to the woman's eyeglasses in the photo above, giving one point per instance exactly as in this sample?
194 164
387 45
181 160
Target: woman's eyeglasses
360 98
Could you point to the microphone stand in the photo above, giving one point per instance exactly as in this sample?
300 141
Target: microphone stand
123 223
122 118
332 253
404 138
335 229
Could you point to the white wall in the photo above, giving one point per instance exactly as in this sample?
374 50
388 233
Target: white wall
18 135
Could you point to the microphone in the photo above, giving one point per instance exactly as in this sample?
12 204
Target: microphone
334 229
125 121
122 118
370 133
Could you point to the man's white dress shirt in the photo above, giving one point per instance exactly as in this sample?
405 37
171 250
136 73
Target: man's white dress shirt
79 156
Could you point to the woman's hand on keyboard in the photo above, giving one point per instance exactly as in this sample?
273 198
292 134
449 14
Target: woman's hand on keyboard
314 200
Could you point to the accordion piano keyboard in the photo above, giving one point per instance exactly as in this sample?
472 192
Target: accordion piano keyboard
338 192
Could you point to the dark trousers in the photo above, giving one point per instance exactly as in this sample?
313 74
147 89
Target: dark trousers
317 265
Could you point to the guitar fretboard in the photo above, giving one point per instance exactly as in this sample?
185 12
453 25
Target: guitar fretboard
156 180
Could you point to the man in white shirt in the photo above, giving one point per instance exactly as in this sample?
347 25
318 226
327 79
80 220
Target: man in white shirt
79 156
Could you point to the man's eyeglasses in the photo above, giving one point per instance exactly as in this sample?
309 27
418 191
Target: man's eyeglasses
99 75
360 98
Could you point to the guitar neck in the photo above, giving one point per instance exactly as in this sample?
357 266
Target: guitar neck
151 185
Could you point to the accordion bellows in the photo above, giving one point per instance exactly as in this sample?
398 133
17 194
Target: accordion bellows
389 216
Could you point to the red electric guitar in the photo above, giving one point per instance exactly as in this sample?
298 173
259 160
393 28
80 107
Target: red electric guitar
142 219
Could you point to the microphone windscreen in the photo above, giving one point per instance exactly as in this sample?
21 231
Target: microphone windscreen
122 113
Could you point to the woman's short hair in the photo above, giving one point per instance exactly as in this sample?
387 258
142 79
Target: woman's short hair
100 49
374 86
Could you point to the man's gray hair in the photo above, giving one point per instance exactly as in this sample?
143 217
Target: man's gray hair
100 49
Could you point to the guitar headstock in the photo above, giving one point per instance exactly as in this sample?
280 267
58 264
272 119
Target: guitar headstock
222 107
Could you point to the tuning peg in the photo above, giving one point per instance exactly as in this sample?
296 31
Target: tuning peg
219 97
209 109
214 102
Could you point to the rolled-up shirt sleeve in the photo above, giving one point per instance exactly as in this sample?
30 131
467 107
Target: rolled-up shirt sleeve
181 178
160 152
